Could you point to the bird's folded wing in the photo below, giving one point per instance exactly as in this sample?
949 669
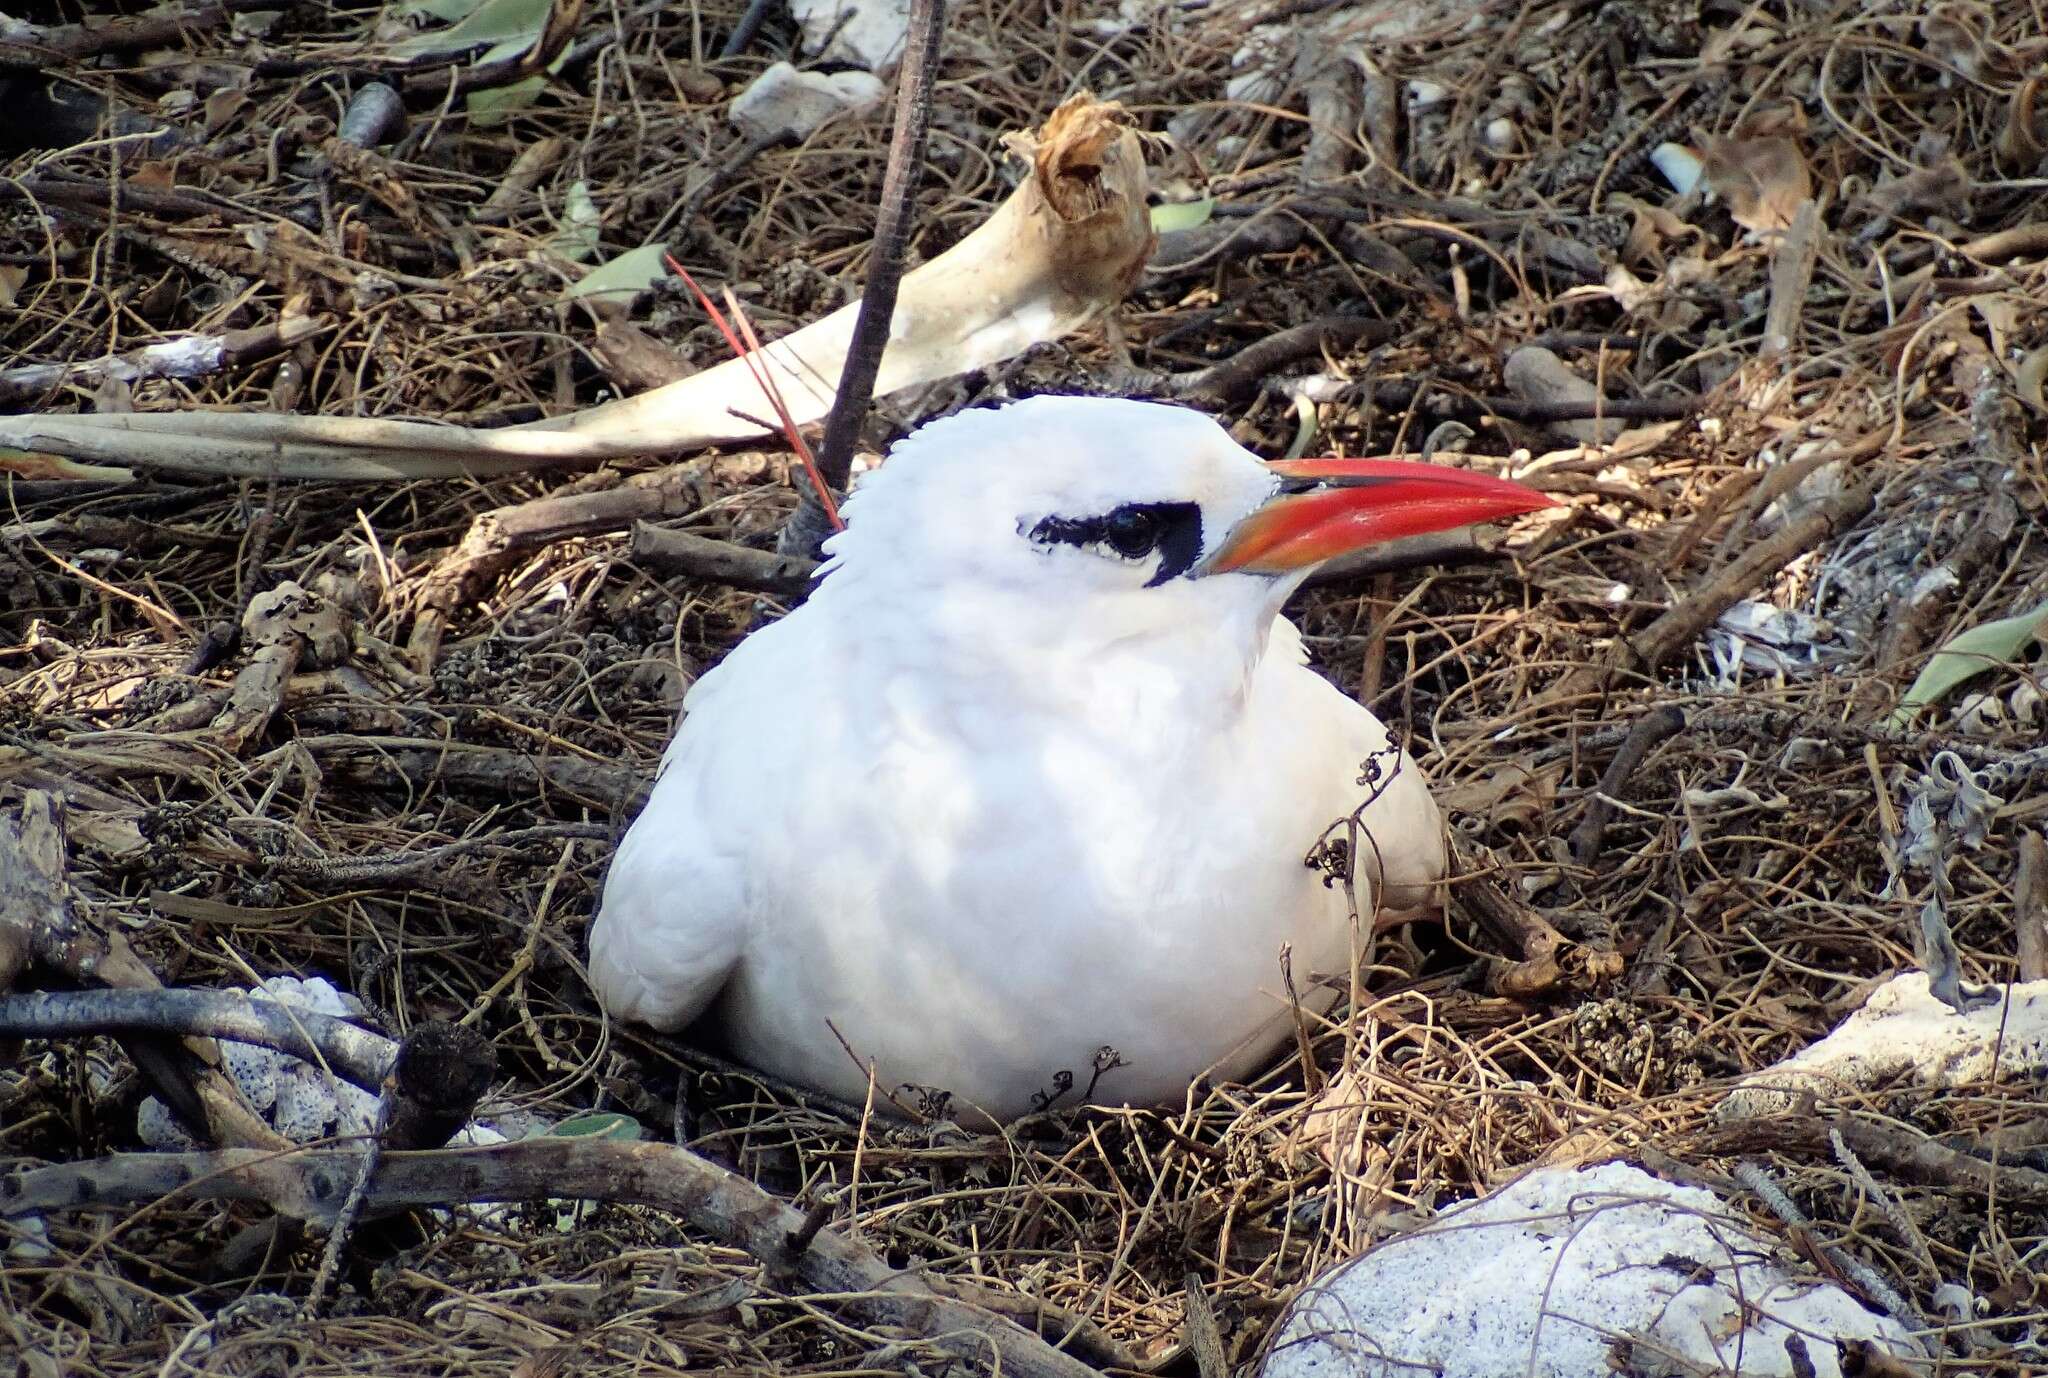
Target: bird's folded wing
672 922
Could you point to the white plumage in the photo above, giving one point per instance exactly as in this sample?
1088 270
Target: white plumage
1000 795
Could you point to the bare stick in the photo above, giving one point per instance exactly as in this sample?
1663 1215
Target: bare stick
498 537
356 1055
2030 906
1791 275
1914 1155
1650 729
1683 623
722 562
730 1209
194 356
808 527
59 940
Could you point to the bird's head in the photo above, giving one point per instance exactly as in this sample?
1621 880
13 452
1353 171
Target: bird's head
1116 518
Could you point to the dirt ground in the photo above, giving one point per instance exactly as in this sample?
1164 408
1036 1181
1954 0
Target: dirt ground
1828 461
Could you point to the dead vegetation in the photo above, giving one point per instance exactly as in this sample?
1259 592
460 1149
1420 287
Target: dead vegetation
1823 457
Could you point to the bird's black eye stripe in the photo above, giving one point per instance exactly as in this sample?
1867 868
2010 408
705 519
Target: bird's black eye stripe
1133 531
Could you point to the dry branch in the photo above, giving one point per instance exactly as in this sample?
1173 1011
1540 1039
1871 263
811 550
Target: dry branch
1683 624
1791 275
1643 737
312 1185
722 562
2030 906
194 356
496 538
355 1054
854 393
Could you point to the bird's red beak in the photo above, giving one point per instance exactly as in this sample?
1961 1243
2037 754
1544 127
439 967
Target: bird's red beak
1361 502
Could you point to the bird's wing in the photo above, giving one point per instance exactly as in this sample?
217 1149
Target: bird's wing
1401 841
1286 646
673 919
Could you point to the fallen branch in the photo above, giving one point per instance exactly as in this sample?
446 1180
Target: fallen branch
32 850
496 538
1683 624
313 1184
192 356
1922 1159
1536 945
356 1055
1643 736
1791 276
414 763
1244 372
2030 906
1062 249
721 562
46 47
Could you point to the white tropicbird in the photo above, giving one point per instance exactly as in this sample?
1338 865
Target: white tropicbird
1034 772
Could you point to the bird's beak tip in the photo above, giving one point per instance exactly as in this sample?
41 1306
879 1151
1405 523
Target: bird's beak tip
1362 502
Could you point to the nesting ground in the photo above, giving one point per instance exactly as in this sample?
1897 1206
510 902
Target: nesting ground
1479 179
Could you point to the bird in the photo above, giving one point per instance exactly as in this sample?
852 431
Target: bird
1034 792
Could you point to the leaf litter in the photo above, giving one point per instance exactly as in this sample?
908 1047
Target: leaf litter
1484 178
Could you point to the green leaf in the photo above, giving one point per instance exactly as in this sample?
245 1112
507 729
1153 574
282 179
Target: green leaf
1969 654
635 270
494 105
1183 215
447 11
492 22
610 1125
576 240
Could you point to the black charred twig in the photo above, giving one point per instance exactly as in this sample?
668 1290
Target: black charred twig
442 1071
1649 730
744 31
807 527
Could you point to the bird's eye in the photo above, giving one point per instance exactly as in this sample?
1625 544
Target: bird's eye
1131 532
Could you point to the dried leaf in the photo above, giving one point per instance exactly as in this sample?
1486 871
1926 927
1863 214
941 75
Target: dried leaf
1764 181
1942 188
1513 796
11 279
1969 654
2023 143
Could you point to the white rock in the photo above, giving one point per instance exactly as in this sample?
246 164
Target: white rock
1541 1279
1904 1031
872 35
783 100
